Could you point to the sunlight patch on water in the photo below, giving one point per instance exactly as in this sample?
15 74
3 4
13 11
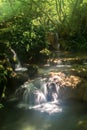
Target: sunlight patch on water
21 69
44 126
47 64
49 107
28 128
67 66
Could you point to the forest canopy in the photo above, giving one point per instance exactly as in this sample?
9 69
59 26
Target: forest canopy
66 17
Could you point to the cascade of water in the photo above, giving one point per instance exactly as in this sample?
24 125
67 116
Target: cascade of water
18 66
42 95
47 92
15 57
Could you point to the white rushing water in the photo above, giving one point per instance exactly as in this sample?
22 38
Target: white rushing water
48 107
18 66
43 99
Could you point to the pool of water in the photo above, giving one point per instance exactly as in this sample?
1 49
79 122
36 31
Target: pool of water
72 117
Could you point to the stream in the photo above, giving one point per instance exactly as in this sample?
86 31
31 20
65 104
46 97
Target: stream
53 115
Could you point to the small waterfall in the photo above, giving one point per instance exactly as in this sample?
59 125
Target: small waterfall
18 66
44 98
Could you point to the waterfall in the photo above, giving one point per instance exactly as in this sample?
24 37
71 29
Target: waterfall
48 91
44 98
18 66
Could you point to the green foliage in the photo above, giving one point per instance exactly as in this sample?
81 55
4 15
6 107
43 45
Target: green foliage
27 38
1 106
3 79
45 52
74 29
3 74
5 71
67 17
25 23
